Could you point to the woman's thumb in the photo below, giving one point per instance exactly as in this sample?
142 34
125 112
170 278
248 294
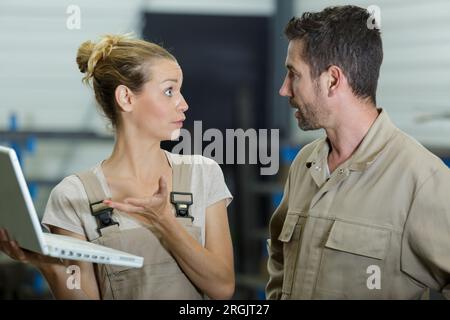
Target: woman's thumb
162 189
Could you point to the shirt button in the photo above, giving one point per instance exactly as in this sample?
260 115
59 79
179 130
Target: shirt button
341 171
318 168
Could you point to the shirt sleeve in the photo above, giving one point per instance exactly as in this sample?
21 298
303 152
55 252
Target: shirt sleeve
216 187
61 208
426 238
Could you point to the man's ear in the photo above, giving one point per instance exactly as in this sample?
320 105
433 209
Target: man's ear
335 77
124 96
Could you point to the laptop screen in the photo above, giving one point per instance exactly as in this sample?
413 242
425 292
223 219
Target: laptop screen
17 213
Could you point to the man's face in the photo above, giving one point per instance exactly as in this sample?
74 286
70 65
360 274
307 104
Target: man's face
304 93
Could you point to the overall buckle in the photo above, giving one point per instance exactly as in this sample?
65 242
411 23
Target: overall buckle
182 201
103 214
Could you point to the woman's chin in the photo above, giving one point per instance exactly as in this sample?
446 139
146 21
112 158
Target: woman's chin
175 134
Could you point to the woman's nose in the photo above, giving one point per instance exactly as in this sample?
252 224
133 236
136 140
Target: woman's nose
183 105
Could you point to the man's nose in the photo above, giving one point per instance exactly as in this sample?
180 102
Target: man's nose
285 89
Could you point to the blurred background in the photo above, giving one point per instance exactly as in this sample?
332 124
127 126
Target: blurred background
232 54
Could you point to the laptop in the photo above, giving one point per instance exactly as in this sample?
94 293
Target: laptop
18 216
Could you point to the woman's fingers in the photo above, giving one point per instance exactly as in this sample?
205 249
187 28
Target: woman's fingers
5 248
17 252
124 206
14 251
139 202
11 249
3 236
4 240
9 246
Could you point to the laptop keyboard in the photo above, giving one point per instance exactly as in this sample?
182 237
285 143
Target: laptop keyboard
58 238
71 247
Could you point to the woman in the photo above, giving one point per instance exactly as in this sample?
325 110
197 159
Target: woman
138 86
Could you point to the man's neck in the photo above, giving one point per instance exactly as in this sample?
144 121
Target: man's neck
347 134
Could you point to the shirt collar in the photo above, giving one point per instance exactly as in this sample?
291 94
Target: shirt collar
371 146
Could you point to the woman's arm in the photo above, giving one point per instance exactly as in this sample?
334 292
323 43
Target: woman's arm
210 268
57 276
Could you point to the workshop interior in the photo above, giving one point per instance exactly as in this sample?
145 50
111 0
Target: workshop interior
233 58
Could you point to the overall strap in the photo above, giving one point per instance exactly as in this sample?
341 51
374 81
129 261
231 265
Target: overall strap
96 195
181 196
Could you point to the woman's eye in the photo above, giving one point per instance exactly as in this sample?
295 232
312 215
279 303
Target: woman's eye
168 92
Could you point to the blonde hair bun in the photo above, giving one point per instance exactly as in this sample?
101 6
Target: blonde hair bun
89 53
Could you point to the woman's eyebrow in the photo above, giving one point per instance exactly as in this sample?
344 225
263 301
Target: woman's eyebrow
173 80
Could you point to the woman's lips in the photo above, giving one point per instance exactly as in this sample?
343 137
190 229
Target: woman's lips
178 123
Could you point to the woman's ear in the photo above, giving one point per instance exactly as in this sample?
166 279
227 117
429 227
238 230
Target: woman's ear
124 96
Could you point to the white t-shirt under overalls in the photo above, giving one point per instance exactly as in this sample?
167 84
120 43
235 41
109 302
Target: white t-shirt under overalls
68 205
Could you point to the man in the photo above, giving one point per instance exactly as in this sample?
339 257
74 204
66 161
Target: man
366 209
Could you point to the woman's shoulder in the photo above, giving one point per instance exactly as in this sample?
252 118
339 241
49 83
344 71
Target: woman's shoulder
207 176
202 166
195 159
68 185
71 185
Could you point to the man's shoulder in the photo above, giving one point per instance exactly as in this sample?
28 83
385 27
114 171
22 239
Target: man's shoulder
414 155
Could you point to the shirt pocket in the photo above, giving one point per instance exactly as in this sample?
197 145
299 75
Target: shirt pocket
353 260
358 239
290 237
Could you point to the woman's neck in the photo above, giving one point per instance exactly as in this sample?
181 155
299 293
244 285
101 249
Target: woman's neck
135 159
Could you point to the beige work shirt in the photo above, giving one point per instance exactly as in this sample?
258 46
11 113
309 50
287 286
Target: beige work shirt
378 228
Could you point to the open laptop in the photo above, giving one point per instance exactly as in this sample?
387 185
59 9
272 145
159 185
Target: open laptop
18 216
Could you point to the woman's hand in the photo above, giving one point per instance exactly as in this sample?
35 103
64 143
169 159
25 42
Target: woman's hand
209 267
155 210
12 249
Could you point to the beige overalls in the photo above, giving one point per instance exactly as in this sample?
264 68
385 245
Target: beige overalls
160 277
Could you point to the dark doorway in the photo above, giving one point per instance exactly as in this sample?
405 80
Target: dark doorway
225 66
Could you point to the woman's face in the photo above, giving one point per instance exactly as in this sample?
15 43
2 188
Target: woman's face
158 110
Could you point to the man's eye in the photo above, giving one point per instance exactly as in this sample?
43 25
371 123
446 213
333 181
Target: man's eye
293 75
168 92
